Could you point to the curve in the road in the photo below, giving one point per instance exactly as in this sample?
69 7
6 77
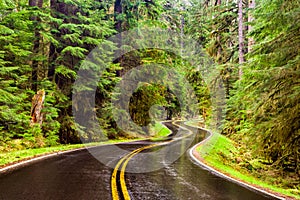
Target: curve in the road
218 173
121 165
127 158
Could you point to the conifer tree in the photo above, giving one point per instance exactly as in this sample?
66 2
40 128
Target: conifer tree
15 48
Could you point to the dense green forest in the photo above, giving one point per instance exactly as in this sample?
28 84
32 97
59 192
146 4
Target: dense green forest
254 45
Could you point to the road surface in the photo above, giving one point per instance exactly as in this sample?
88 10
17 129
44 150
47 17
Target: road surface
79 175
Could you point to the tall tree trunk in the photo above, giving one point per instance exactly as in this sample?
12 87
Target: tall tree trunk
36 46
250 28
118 26
118 11
181 33
241 36
45 47
219 54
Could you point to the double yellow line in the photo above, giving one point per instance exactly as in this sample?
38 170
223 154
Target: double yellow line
124 161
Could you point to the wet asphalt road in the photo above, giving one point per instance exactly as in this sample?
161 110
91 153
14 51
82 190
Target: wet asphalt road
79 175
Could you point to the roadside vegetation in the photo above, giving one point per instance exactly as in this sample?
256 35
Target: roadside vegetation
11 157
160 130
236 161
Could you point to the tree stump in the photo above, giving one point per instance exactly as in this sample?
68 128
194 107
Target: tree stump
37 106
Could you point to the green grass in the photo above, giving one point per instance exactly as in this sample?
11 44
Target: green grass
218 147
15 156
160 130
195 122
10 157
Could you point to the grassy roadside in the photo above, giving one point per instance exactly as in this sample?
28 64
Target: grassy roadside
159 130
12 157
8 158
222 154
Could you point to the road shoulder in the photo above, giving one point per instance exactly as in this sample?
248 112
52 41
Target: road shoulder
199 160
45 153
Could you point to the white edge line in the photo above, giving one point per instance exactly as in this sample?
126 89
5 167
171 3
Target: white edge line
212 170
23 163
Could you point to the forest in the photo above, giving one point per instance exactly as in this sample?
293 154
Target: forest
254 45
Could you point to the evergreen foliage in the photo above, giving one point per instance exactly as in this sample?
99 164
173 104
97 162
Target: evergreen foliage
262 109
15 45
273 79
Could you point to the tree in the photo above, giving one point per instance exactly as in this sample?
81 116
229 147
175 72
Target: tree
250 20
15 48
77 29
264 109
241 36
36 43
277 81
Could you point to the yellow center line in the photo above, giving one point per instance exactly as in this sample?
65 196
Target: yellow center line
122 174
114 189
125 160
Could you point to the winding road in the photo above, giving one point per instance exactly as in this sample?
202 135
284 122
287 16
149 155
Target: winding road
79 175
